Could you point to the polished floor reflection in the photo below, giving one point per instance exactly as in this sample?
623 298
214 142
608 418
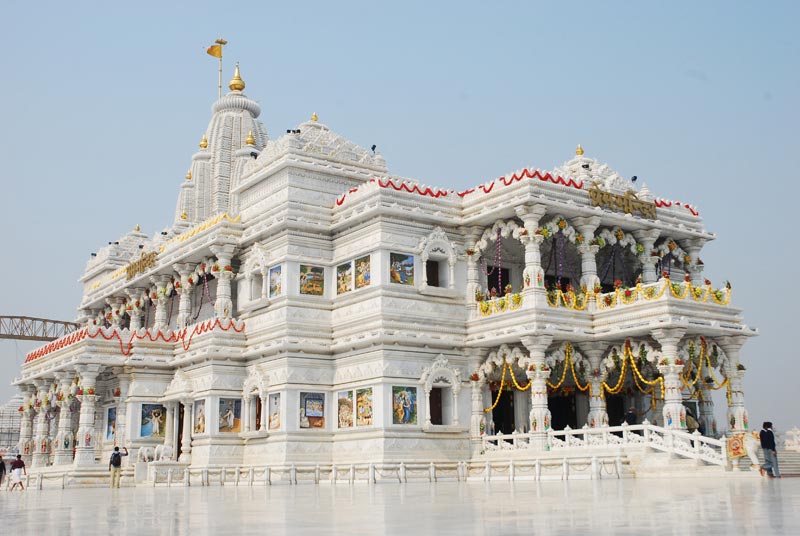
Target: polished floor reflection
644 506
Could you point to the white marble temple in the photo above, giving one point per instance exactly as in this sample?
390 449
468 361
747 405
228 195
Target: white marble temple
643 506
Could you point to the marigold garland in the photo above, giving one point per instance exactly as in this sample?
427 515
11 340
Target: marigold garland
609 300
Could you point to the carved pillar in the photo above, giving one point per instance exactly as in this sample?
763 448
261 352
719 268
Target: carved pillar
598 416
587 227
117 307
737 414
264 401
64 438
264 282
136 297
706 416
647 239
540 414
161 282
673 413
473 279
246 414
40 451
533 275
184 288
476 357
121 435
186 434
84 453
26 425
169 429
695 267
223 307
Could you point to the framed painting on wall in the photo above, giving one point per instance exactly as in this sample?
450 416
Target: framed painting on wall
111 424
275 411
230 415
312 280
312 410
275 281
401 268
344 278
154 417
345 409
364 407
363 272
200 416
404 405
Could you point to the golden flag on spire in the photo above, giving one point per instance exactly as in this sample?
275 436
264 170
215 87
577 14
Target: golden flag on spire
215 50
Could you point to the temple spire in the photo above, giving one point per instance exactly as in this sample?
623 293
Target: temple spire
236 84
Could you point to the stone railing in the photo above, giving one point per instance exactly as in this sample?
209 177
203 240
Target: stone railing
582 441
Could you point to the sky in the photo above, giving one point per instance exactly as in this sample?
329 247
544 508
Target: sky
102 107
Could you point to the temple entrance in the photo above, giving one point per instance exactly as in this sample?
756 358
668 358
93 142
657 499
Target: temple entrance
503 412
615 407
562 411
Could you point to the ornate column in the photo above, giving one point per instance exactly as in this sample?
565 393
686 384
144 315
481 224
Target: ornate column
184 288
673 413
26 425
707 413
246 416
121 434
475 358
264 401
134 306
169 429
40 452
540 414
647 239
695 267
598 416
84 452
533 275
734 371
161 282
117 305
186 433
473 284
264 282
64 399
587 227
223 307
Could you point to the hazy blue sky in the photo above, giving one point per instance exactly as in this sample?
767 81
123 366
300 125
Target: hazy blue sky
102 106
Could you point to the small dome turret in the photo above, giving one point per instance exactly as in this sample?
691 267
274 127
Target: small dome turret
236 83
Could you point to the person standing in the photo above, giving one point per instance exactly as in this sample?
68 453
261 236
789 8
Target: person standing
17 469
770 454
630 416
115 465
2 470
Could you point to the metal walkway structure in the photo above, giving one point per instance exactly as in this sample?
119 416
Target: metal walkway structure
26 328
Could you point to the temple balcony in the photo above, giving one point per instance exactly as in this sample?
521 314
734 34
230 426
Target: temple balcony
622 313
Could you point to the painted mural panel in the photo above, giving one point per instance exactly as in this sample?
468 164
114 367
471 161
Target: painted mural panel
312 410
230 415
275 281
401 268
154 417
344 278
275 411
312 280
363 272
404 405
364 407
200 416
111 424
345 407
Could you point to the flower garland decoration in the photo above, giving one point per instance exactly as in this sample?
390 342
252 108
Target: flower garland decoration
559 224
610 237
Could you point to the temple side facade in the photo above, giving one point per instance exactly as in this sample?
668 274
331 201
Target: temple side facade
305 308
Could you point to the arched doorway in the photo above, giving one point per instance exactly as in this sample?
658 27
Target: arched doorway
507 398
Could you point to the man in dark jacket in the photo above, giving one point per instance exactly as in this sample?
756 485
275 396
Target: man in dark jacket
770 454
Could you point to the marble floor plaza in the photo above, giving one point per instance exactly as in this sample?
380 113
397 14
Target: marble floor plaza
664 506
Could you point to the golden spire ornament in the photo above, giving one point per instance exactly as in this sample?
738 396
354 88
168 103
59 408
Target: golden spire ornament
579 150
314 117
189 175
236 83
184 216
204 142
137 228
250 139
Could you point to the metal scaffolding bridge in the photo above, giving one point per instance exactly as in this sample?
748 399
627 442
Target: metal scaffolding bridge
26 328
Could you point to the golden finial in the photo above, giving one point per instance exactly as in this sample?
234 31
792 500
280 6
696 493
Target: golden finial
579 150
236 84
204 142
250 139
184 216
189 175
314 117
137 228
